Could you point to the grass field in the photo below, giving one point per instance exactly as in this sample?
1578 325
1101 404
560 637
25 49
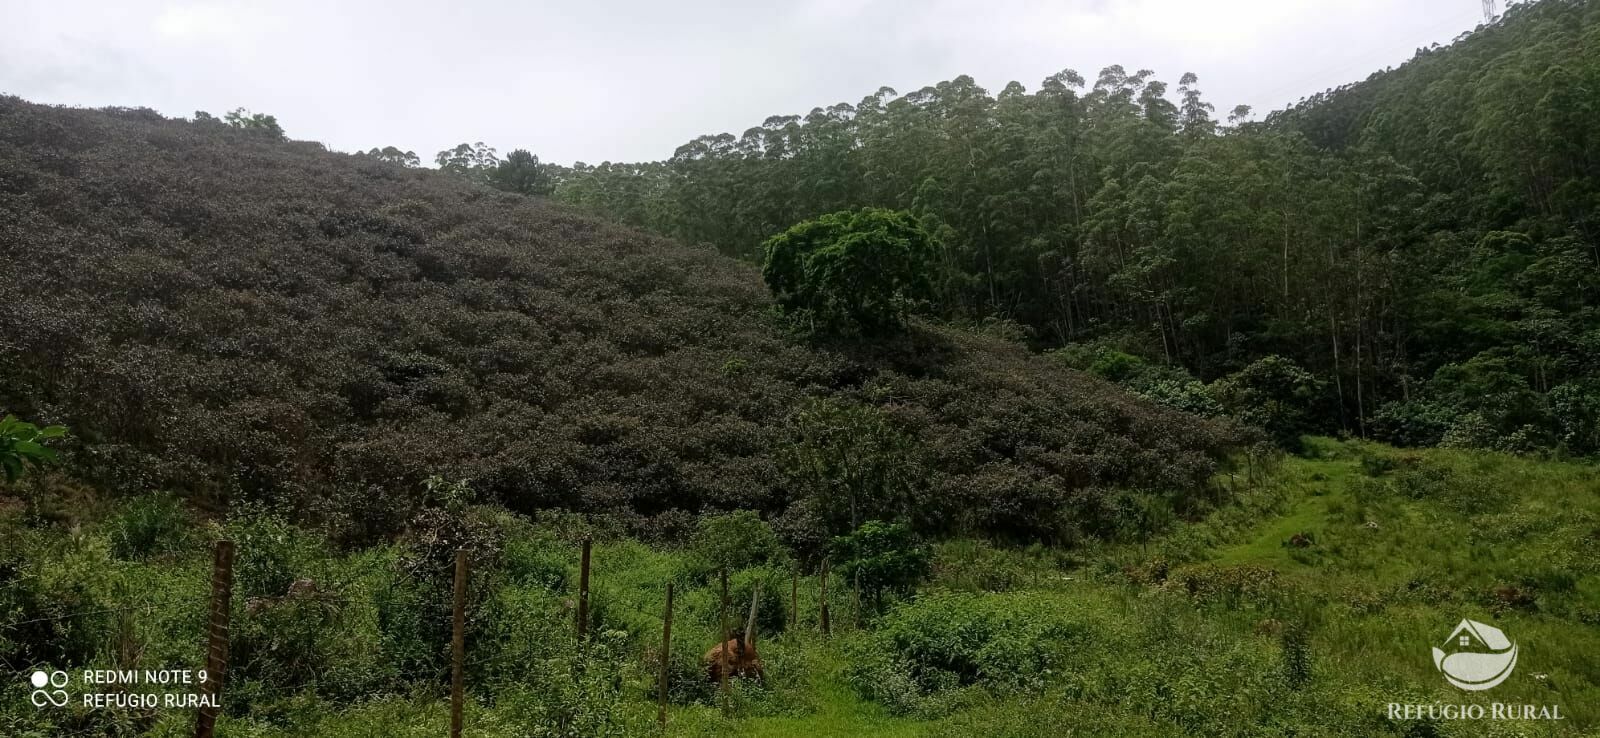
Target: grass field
1304 608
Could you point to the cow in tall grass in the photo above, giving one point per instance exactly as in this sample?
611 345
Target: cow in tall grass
737 654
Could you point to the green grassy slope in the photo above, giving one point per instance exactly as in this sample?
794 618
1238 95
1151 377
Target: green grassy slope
1193 633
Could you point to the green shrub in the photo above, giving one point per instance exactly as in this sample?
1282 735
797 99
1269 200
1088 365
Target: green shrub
772 613
1115 365
573 693
1185 393
1168 385
308 639
406 617
1413 423
534 557
151 525
734 541
1492 388
1470 430
52 599
416 609
271 552
1464 494
977 566
1274 394
1376 465
882 558
949 641
308 622
518 630
1575 407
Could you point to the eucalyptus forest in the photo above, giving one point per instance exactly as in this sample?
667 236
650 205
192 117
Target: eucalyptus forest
1088 409
1422 243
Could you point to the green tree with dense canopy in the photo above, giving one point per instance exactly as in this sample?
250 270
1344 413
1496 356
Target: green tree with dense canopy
476 162
850 271
261 123
522 173
882 558
395 156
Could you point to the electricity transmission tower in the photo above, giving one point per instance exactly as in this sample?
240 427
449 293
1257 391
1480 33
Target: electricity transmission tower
1488 10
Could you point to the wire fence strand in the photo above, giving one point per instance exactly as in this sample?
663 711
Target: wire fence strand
105 611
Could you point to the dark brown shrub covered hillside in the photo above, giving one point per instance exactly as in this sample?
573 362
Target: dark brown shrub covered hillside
239 318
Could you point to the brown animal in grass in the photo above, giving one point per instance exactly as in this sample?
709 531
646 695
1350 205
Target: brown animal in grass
738 653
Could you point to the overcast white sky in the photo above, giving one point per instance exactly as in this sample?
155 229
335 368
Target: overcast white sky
628 80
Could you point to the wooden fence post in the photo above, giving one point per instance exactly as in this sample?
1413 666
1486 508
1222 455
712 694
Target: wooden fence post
666 658
583 590
722 643
825 597
458 644
217 638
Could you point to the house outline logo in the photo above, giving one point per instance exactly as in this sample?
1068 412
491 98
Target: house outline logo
1481 656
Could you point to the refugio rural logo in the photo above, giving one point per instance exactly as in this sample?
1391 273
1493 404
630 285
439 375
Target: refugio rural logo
1476 657
1483 656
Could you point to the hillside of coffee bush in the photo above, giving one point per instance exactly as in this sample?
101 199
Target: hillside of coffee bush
244 319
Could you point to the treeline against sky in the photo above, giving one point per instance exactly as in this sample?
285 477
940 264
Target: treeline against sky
1424 243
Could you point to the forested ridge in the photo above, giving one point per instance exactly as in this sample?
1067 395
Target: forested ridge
1424 243
217 311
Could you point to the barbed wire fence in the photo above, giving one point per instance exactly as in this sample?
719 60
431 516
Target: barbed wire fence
219 614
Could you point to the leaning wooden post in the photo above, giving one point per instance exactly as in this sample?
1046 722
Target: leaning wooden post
750 624
217 638
666 658
458 644
722 643
825 597
583 590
